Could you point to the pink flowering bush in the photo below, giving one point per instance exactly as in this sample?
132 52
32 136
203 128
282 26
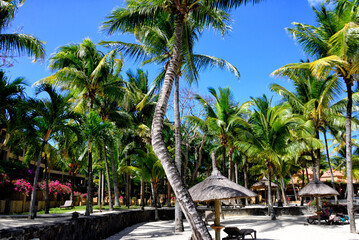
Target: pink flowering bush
4 180
22 186
56 187
79 194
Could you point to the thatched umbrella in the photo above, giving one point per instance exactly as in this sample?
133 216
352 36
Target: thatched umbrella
263 185
215 188
317 189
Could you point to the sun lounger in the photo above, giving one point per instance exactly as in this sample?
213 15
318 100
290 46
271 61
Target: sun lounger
236 233
67 204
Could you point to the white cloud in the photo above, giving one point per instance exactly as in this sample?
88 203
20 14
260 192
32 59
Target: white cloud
315 2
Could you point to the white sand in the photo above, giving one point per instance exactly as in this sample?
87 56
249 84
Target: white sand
284 228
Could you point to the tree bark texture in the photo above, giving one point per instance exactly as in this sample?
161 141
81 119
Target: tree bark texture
270 202
178 212
199 229
348 143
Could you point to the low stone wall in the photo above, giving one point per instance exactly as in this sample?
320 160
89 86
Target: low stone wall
92 227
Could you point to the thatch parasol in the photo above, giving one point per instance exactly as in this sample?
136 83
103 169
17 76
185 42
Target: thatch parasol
263 184
317 189
215 188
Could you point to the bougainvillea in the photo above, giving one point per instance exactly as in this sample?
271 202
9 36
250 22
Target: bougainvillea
21 185
4 180
56 187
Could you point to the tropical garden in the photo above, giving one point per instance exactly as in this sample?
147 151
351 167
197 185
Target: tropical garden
90 117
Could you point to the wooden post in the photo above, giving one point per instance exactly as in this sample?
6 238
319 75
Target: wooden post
217 221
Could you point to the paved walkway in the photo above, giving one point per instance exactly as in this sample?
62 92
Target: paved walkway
284 228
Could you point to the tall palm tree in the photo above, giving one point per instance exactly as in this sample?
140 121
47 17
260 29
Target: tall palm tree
84 70
137 14
267 135
156 46
314 100
51 115
334 44
12 43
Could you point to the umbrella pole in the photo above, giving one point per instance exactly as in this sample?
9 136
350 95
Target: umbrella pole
217 221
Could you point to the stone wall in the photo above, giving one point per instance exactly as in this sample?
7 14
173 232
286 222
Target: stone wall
92 227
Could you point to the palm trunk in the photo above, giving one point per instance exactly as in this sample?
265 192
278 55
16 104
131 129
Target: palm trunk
224 160
89 181
270 203
182 194
47 198
318 156
32 212
348 143
128 184
245 178
295 193
199 162
330 165
168 194
99 195
279 198
154 198
107 178
142 193
178 213
284 195
231 165
114 177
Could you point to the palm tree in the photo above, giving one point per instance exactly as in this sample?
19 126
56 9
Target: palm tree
12 43
51 115
313 99
267 135
137 14
334 44
86 71
156 46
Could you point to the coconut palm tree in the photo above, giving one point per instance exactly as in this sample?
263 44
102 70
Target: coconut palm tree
51 115
16 43
314 99
87 72
267 135
334 44
156 46
137 14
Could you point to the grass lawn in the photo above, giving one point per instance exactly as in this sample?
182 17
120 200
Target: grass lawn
77 208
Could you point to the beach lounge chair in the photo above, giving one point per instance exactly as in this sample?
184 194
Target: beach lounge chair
236 233
324 215
67 204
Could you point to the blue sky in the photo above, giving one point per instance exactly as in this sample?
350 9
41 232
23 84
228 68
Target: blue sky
257 45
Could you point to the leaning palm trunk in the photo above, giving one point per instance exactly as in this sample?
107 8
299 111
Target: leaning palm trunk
348 144
178 213
182 194
114 177
270 203
330 165
108 179
32 213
